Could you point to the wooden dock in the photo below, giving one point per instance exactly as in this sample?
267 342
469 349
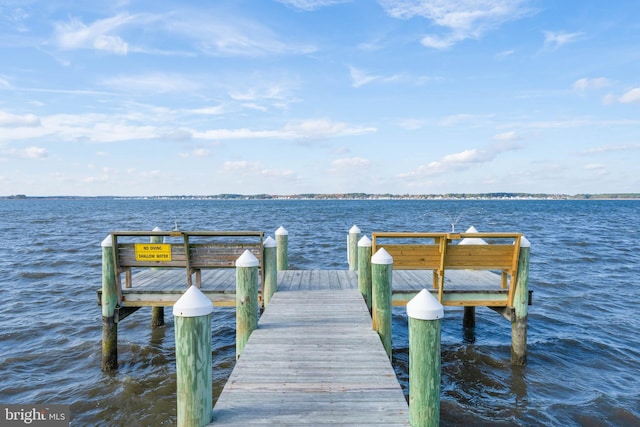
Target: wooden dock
163 287
316 356
314 360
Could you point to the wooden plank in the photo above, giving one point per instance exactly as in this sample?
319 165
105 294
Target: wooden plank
313 360
491 257
422 257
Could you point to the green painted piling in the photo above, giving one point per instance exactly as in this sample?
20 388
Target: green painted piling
157 313
352 247
246 299
270 261
109 303
425 314
520 305
364 269
282 242
381 273
192 323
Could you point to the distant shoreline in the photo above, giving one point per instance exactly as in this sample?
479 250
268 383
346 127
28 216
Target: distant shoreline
352 196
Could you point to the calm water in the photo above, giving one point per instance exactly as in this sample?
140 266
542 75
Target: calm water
584 350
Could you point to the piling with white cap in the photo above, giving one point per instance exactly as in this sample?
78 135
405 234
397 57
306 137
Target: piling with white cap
157 312
469 317
192 323
246 299
352 247
472 240
109 303
282 242
520 305
381 273
425 313
270 260
364 269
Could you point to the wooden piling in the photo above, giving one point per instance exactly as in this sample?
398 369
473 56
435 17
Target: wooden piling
520 305
192 319
157 313
381 273
425 314
352 247
270 261
469 319
246 299
364 269
282 241
109 303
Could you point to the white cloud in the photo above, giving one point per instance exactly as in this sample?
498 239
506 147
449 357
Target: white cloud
350 164
591 83
507 136
612 148
505 54
458 161
573 123
556 39
152 83
112 44
264 88
598 168
411 124
208 111
220 33
177 135
463 18
196 152
456 119
75 34
360 78
322 128
305 130
246 168
35 152
5 84
630 96
311 5
14 120
25 153
609 99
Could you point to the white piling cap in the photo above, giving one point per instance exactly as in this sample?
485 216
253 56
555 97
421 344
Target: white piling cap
157 229
354 230
107 242
472 240
281 231
269 242
364 242
524 242
192 303
382 257
425 306
247 259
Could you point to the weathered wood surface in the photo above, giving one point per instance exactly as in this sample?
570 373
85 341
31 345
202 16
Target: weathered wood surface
164 287
314 360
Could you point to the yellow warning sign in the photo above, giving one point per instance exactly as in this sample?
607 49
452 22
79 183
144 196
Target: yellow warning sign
153 252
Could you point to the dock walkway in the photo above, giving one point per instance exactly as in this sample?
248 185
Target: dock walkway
315 360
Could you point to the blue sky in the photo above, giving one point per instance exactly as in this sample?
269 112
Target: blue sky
323 96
